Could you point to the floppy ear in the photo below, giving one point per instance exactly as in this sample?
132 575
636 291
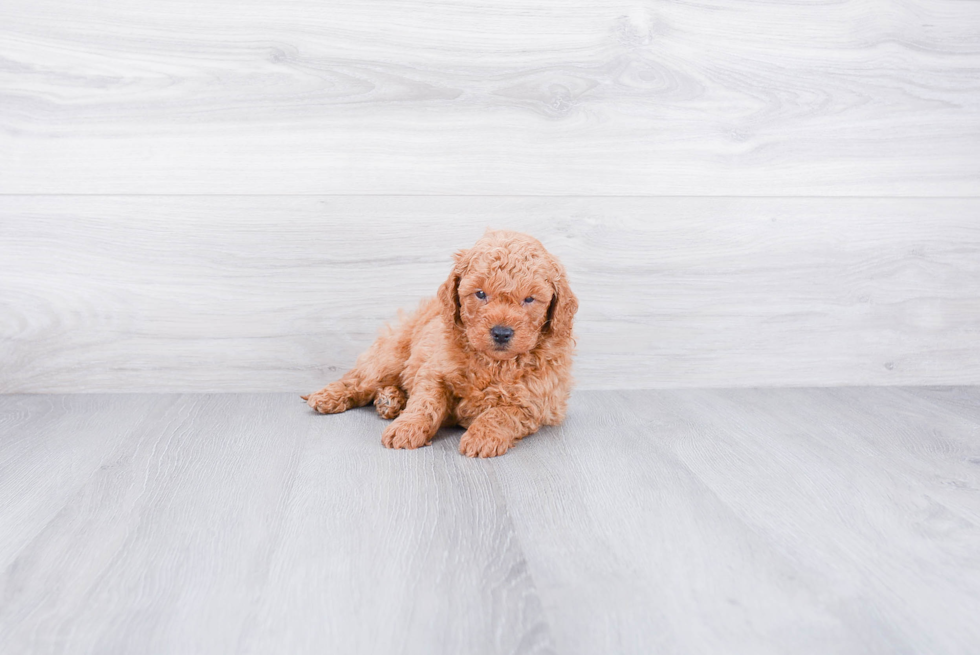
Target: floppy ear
562 309
449 291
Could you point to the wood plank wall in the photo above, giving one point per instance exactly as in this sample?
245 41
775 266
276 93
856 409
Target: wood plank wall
233 196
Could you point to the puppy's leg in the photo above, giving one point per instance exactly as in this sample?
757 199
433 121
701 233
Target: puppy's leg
390 401
348 392
427 408
495 431
378 367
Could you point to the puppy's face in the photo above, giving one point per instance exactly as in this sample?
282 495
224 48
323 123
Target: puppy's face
507 294
502 315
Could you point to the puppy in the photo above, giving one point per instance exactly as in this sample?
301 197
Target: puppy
492 352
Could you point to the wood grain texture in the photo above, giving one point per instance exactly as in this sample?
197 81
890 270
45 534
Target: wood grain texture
555 97
282 293
954 400
724 521
882 484
64 439
245 524
754 521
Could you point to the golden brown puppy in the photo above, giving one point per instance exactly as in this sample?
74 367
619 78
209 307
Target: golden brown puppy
492 352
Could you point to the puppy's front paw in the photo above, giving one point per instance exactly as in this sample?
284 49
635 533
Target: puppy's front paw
390 402
406 433
332 399
477 442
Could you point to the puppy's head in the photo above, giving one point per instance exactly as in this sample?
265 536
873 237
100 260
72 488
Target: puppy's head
506 295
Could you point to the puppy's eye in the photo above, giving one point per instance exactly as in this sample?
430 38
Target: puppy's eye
480 294
528 300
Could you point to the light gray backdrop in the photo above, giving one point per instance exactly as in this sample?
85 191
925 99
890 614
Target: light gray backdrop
210 196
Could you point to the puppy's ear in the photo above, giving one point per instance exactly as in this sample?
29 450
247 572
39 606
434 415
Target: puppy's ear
562 309
449 291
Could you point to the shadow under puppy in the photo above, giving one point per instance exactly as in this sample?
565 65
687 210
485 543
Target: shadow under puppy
492 352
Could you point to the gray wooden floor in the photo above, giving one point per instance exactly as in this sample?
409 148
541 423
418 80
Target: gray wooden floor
685 521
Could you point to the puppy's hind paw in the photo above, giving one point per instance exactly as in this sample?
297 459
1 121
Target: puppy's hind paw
329 400
390 402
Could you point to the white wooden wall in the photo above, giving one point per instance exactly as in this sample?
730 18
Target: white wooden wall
218 195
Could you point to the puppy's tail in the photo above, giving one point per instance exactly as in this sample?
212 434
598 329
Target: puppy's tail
306 397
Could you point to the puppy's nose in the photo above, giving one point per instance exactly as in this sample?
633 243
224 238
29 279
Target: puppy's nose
501 334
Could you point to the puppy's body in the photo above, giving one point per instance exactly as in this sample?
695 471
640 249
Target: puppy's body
492 353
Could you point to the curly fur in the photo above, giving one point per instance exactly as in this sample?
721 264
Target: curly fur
441 366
